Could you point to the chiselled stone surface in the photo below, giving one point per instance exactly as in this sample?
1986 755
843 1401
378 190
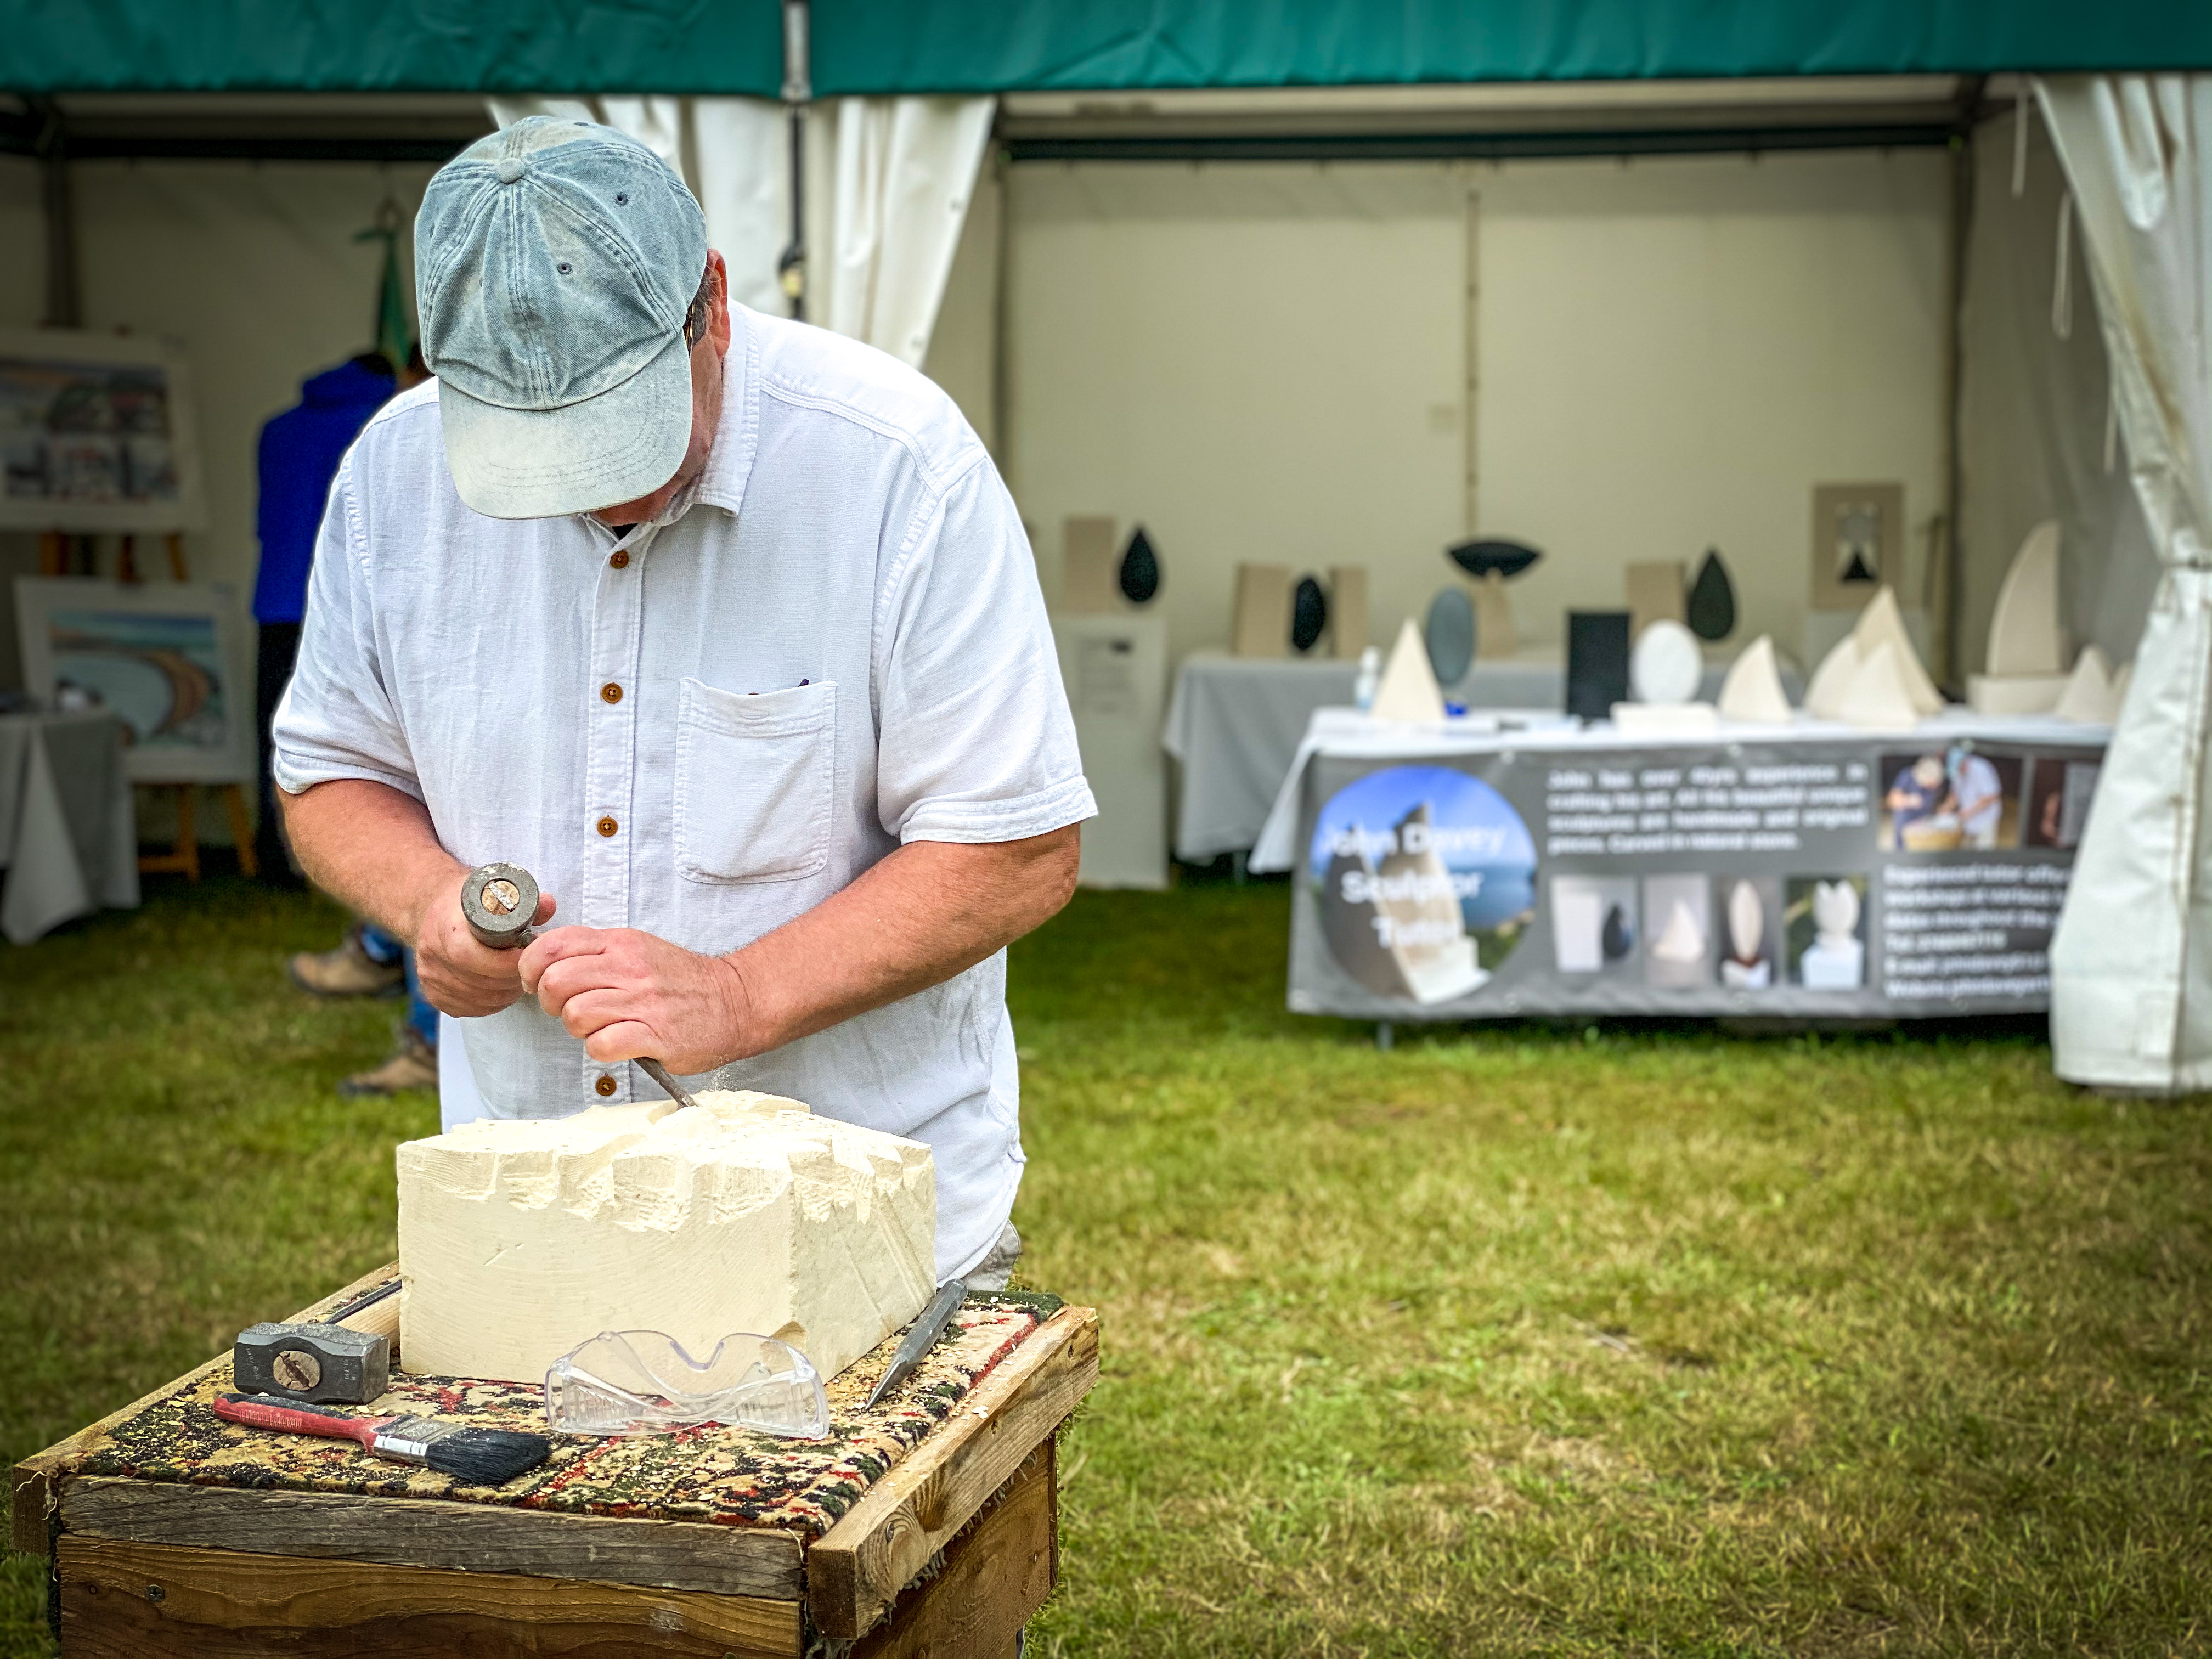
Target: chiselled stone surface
519 1240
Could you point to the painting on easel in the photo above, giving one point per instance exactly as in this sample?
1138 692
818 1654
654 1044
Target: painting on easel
95 434
170 659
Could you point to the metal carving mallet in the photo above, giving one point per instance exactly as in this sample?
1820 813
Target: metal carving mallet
498 902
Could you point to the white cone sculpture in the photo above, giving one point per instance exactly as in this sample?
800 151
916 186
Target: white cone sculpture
1824 695
1882 623
1878 697
1753 690
2089 697
2024 632
1683 939
1408 690
2121 680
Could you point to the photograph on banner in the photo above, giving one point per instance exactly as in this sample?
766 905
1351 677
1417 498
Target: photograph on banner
1824 920
173 660
1948 799
1594 925
1426 881
2059 789
1679 950
1750 909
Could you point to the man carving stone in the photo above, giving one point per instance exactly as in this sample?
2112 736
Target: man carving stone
725 629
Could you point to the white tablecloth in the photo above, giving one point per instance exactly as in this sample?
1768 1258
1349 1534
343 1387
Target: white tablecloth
69 836
1235 722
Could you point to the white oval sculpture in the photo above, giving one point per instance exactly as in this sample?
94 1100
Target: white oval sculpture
518 1240
1836 959
1666 665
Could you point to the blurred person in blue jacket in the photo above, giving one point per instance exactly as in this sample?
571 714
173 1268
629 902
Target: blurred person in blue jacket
300 449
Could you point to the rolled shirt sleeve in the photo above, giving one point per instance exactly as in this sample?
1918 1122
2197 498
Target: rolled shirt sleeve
976 741
336 719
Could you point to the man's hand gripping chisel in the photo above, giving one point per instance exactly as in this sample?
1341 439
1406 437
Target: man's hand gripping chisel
498 901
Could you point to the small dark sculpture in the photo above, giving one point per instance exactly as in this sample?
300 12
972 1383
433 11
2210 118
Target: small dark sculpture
1308 614
1484 558
1619 937
1449 635
1140 569
1711 610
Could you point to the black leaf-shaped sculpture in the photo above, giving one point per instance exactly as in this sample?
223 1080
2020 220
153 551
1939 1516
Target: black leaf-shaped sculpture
1308 614
1140 569
1711 610
1449 635
1483 558
1619 937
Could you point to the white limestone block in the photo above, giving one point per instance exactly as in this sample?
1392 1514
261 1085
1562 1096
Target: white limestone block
1882 623
518 1240
2024 637
1409 691
1753 690
2014 694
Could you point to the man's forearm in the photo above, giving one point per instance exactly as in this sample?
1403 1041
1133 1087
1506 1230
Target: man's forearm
929 911
370 847
921 915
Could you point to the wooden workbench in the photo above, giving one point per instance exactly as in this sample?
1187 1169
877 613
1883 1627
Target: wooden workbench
927 1526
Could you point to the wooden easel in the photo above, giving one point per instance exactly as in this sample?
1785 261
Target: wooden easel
56 553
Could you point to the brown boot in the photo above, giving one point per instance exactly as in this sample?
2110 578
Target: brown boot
348 971
413 1065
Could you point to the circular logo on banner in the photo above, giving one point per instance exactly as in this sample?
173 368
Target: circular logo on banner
1426 880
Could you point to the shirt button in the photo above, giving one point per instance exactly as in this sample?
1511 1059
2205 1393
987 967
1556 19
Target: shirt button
606 1085
610 692
608 826
619 558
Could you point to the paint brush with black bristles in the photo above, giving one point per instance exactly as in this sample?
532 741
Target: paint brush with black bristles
477 1458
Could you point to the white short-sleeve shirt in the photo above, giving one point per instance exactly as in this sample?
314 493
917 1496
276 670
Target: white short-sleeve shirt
832 644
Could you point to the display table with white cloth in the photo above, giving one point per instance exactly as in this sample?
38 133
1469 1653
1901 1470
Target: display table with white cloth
1235 723
69 835
1489 868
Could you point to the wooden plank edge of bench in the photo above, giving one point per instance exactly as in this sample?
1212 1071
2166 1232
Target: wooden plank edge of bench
999 1572
33 1485
439 1535
123 1597
855 1570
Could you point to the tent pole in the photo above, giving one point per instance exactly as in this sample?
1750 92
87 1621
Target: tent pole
1949 577
798 91
64 307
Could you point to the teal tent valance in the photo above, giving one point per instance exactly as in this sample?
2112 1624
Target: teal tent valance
992 46
580 46
735 47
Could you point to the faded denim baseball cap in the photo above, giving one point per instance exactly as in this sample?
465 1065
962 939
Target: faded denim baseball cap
555 260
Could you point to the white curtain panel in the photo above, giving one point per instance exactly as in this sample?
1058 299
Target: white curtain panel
2132 963
888 184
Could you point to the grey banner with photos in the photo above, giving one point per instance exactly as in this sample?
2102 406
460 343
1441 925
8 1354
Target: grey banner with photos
1874 876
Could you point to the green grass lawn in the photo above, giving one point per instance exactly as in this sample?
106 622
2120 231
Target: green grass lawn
1512 1341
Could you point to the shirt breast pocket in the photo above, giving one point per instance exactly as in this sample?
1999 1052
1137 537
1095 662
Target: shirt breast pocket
754 776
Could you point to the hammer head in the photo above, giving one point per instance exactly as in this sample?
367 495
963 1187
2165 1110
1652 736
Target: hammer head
323 1363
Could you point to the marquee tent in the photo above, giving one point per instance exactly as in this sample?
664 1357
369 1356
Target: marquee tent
2121 85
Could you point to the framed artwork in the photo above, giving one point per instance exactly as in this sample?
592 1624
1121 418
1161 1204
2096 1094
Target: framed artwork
95 434
1859 543
174 660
